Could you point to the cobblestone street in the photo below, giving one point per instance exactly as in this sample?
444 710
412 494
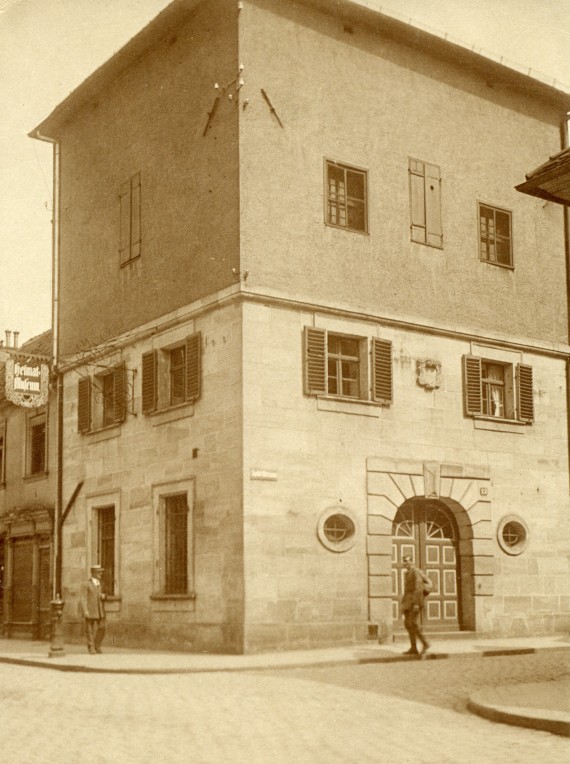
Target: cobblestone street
392 713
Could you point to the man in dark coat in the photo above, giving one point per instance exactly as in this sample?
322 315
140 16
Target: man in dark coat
412 605
93 609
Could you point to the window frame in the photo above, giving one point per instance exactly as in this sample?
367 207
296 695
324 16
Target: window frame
156 376
349 201
375 370
502 210
162 493
518 399
95 506
103 554
102 400
34 420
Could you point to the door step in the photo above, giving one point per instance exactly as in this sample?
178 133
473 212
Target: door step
402 636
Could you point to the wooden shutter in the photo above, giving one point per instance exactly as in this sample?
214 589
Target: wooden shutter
149 367
382 383
425 203
136 216
84 405
524 390
120 392
125 222
434 230
193 366
417 201
315 341
473 395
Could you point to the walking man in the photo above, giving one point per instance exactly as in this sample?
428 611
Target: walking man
412 605
93 608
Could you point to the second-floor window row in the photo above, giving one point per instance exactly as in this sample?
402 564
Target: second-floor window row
346 206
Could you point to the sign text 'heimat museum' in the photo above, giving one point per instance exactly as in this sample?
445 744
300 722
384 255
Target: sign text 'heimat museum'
27 383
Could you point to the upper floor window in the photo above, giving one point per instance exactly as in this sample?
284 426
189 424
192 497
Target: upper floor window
346 192
425 203
498 390
172 376
345 366
495 235
130 219
102 400
37 444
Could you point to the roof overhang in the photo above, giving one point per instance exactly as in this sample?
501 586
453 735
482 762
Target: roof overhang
350 11
550 181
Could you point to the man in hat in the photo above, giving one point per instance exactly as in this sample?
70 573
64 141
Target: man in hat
412 605
93 609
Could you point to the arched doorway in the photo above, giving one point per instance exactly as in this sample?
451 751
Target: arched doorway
426 530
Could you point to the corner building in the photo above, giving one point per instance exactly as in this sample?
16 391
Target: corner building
307 325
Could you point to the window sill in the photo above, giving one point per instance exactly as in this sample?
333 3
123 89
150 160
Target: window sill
349 406
173 597
38 476
346 228
499 425
104 433
499 265
171 414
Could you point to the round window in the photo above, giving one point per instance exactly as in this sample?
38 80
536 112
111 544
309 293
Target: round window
512 534
337 529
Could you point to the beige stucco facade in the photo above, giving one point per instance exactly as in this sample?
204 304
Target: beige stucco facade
235 248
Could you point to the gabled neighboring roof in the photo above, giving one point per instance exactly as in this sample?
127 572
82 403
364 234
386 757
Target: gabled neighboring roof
551 180
493 68
41 344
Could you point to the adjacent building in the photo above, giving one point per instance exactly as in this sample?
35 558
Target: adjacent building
27 486
307 325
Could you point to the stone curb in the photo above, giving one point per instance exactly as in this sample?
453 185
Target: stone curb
268 666
556 722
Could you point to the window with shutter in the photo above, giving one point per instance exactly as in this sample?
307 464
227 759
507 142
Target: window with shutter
193 366
425 203
84 405
492 392
149 380
315 361
120 393
382 371
337 365
525 394
473 395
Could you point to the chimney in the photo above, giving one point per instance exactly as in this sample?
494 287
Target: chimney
8 335
16 336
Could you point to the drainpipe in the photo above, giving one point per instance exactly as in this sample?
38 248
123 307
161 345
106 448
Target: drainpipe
565 143
56 647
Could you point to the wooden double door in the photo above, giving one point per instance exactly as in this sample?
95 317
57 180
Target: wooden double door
426 531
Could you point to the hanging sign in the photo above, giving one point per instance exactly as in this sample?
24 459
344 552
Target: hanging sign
27 382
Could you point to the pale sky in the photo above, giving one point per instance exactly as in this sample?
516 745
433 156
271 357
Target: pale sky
48 47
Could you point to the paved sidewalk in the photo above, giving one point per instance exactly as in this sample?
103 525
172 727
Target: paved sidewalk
540 706
132 661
